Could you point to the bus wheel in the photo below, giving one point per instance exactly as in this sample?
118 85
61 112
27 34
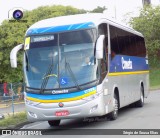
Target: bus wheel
114 114
140 103
54 122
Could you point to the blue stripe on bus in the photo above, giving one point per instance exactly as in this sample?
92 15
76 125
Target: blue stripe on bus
54 29
60 96
122 63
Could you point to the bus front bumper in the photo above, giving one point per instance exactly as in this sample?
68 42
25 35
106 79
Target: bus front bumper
74 109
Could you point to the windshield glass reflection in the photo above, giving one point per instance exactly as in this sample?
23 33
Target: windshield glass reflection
61 60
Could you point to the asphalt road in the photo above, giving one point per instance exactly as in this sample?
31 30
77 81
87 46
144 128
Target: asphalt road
147 117
19 107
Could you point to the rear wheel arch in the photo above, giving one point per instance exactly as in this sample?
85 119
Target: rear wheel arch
140 102
114 114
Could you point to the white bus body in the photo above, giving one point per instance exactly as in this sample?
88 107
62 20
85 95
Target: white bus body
82 66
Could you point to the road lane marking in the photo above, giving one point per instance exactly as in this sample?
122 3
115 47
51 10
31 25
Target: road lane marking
32 126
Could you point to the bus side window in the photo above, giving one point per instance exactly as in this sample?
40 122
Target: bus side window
114 39
126 43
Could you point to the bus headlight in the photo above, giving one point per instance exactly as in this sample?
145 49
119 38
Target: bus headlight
31 102
92 97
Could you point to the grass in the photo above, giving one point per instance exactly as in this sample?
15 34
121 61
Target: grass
155 78
11 120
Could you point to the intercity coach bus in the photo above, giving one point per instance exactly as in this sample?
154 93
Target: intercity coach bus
82 66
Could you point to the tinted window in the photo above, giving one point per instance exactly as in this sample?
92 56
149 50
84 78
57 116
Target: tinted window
77 37
126 43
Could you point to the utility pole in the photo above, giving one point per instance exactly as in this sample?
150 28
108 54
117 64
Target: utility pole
115 10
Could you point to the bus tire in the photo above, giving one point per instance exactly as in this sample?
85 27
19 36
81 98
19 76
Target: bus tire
114 114
54 122
140 102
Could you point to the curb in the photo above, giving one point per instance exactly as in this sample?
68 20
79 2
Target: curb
18 103
4 106
11 113
154 89
18 126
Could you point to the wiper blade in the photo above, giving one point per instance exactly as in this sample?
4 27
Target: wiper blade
72 74
46 78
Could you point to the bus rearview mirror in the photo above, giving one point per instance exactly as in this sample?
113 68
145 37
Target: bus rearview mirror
13 55
99 47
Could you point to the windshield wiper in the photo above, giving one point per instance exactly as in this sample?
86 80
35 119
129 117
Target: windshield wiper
72 75
46 78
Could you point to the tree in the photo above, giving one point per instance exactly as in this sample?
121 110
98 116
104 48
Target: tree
148 24
99 9
12 34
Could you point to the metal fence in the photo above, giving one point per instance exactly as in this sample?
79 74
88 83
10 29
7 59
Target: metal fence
11 98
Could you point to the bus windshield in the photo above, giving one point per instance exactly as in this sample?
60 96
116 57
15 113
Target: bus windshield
61 60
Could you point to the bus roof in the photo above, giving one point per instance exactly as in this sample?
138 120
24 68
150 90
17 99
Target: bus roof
75 22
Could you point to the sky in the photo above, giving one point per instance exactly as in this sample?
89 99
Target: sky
120 7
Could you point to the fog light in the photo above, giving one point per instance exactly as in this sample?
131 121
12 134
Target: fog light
32 114
93 108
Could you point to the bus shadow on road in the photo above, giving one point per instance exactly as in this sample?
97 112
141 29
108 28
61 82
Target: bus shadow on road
94 122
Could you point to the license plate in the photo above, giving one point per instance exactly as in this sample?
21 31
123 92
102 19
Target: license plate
62 113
